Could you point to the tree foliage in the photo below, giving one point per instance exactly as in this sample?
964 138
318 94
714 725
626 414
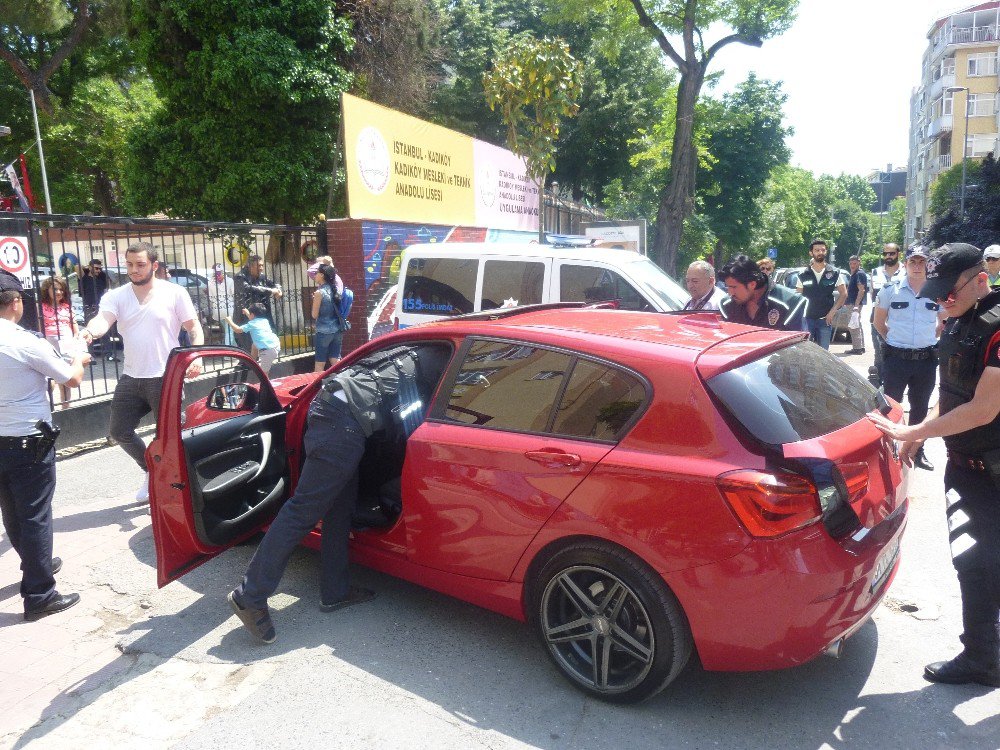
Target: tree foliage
947 188
250 92
981 224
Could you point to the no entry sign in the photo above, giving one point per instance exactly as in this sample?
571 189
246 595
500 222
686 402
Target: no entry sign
14 258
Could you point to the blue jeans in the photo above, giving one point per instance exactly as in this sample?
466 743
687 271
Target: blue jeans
26 489
327 491
329 346
819 331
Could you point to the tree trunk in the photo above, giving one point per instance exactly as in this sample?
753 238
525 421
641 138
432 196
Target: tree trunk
677 197
541 211
104 194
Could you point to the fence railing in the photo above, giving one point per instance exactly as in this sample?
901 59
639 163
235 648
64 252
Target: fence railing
64 246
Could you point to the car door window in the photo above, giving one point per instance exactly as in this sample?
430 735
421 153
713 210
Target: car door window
440 286
233 389
511 283
508 386
599 402
587 283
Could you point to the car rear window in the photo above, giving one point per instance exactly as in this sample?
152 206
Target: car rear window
796 393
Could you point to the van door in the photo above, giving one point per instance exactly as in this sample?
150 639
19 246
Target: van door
512 282
590 281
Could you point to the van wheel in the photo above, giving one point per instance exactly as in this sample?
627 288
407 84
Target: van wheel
609 623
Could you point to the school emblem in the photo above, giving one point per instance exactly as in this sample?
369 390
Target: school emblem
772 317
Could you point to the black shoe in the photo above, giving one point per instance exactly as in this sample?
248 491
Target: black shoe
257 621
856 351
920 461
56 605
56 565
355 595
962 670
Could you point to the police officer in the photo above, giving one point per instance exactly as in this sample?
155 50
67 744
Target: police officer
27 456
969 421
350 407
754 302
908 325
890 270
825 290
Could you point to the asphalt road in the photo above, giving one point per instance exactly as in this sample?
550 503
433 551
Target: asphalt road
415 669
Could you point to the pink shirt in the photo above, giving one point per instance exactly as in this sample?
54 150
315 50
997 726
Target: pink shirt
58 324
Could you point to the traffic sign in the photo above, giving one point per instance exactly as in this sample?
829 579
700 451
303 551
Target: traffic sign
772 253
14 258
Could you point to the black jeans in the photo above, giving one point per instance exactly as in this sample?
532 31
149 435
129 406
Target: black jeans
917 375
26 489
327 491
134 398
974 534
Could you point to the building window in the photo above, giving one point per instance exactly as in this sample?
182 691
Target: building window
982 105
981 144
983 64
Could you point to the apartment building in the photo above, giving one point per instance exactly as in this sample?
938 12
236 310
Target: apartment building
958 77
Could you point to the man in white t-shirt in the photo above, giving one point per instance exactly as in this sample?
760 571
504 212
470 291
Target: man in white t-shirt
221 298
150 314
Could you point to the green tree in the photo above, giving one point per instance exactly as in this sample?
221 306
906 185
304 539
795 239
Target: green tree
747 22
947 188
746 141
981 224
250 92
535 85
786 215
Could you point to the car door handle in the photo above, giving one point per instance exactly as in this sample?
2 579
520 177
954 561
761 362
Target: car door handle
249 438
553 458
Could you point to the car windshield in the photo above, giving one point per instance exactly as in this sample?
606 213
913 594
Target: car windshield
659 286
796 393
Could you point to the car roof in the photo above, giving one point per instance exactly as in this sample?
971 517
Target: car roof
604 332
526 249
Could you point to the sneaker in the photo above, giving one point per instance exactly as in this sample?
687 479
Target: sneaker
142 494
355 595
257 621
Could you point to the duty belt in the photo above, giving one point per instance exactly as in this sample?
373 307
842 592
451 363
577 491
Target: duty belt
928 352
974 463
27 442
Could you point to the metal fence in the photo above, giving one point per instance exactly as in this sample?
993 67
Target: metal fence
64 246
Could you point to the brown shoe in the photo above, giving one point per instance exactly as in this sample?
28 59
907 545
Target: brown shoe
257 621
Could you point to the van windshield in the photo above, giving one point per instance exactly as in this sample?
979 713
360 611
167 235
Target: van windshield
656 284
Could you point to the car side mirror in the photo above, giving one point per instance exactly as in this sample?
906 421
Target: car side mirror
231 397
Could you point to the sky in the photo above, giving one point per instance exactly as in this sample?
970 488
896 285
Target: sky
848 68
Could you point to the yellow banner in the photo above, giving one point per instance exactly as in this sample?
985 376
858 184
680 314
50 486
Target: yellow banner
404 169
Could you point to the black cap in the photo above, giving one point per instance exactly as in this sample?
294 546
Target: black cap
9 282
945 265
917 250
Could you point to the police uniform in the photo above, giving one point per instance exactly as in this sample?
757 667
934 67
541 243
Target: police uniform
821 295
880 278
780 309
910 349
27 459
969 344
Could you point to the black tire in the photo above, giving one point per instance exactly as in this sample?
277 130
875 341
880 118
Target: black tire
593 597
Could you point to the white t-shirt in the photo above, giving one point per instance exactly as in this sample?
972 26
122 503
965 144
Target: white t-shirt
26 363
150 330
220 297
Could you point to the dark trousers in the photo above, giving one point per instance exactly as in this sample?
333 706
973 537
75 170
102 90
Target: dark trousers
26 489
134 398
327 491
974 534
915 375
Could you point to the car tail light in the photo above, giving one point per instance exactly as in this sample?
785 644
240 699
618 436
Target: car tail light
770 505
856 478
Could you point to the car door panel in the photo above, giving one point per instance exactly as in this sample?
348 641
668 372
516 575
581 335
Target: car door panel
214 483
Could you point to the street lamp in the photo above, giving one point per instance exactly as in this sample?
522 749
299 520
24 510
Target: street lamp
965 144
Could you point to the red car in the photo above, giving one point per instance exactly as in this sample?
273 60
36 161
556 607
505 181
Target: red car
637 486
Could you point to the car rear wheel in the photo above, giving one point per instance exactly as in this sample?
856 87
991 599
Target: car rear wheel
609 622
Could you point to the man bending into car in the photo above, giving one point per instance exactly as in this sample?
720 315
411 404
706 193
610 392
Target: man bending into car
350 407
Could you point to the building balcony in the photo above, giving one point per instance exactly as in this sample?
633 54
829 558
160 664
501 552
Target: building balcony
940 163
945 81
939 125
964 35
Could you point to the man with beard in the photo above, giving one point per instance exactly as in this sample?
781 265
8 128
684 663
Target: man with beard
890 270
968 418
752 302
825 291
150 314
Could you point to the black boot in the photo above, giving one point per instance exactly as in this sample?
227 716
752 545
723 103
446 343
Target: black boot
979 662
920 460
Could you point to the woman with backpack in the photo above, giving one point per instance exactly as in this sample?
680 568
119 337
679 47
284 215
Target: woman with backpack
330 309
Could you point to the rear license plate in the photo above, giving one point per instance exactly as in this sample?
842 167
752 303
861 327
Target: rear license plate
884 565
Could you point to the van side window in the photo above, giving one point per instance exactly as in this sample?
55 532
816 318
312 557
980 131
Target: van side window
512 283
440 286
585 283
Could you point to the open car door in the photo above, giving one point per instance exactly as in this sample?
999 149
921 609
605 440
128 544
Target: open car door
218 465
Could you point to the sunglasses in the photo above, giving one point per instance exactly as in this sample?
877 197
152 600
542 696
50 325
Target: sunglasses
953 294
890 255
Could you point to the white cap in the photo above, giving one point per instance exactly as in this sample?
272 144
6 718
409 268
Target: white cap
993 251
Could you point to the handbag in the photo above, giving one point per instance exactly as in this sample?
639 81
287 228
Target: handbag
855 321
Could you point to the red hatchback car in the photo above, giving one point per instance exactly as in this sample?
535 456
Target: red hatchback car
637 486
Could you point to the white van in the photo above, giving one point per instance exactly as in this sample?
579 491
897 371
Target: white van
441 280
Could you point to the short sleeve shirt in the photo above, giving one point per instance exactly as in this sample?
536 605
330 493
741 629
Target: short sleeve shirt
26 363
149 330
260 333
858 279
912 320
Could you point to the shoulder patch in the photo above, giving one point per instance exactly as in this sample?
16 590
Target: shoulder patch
773 316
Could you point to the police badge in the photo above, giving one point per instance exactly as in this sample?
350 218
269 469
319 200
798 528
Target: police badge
829 274
772 317
932 264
